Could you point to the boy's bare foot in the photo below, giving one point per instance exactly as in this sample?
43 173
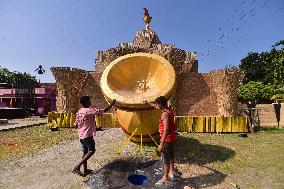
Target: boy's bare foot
161 182
172 177
187 187
77 172
87 172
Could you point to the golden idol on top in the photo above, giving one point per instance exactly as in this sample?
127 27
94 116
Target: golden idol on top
147 19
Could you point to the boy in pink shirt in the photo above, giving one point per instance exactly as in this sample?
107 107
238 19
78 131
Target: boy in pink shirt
86 128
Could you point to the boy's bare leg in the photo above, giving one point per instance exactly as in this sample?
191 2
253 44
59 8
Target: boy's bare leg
84 160
86 171
171 171
166 172
85 163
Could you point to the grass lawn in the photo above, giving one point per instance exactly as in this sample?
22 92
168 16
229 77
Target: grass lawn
20 142
252 162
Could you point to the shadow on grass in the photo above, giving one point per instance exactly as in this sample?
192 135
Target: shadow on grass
214 177
189 150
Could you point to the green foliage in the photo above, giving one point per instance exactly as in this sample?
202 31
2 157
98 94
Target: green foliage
281 42
266 67
12 78
255 90
278 97
264 74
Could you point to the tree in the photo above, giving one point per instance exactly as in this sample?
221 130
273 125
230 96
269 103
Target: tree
264 73
256 90
16 78
267 67
253 67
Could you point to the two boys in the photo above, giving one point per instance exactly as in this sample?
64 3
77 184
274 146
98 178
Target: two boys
86 129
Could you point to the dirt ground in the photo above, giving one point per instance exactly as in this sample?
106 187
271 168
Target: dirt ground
50 168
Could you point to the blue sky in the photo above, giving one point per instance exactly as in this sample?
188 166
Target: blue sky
69 32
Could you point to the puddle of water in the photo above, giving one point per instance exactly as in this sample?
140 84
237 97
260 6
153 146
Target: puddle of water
117 173
138 179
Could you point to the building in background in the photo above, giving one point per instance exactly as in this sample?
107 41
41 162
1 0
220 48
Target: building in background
41 98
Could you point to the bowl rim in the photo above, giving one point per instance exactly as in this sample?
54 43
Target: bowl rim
136 102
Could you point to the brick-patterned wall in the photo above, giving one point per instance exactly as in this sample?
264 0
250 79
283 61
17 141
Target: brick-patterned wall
196 96
69 82
267 115
226 83
92 88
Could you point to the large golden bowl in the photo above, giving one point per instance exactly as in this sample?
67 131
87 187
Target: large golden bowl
132 78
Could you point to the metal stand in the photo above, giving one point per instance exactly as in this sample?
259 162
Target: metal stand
254 121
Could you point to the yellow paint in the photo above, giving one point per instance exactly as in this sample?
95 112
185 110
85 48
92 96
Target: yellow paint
152 138
59 120
146 120
136 77
213 124
208 124
68 119
72 119
148 123
227 125
243 124
235 123
199 124
107 120
126 142
219 124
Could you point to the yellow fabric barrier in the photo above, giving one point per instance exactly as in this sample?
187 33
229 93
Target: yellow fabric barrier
212 124
55 119
200 124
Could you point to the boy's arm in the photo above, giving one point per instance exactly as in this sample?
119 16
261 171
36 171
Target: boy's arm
76 122
95 111
165 117
149 103
111 104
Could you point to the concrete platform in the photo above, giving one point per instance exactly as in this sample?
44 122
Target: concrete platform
3 121
20 123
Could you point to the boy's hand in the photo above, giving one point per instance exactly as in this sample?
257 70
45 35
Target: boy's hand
145 101
113 102
160 148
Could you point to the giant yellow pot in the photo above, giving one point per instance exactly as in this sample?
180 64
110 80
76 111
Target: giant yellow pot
145 121
131 79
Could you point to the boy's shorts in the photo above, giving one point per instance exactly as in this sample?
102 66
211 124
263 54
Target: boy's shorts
88 144
168 152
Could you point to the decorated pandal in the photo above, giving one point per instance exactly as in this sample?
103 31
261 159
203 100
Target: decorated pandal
143 70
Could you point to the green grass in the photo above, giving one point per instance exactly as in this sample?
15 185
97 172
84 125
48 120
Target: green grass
20 142
251 161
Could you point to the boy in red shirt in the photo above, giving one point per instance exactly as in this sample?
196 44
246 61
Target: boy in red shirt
168 137
86 128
